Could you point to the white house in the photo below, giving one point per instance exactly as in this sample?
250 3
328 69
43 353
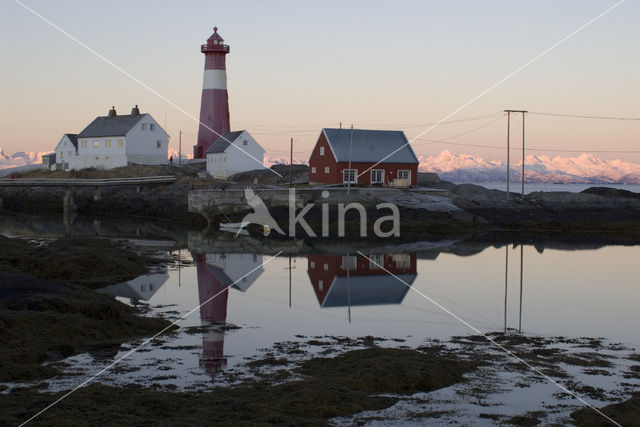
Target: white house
113 141
224 160
65 152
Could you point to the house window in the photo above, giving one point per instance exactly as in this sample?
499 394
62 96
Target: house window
348 262
152 126
313 169
70 153
377 176
84 144
376 261
96 144
326 267
107 143
120 142
402 261
144 126
404 174
322 151
326 170
312 264
97 158
320 284
106 158
245 142
62 154
158 144
350 176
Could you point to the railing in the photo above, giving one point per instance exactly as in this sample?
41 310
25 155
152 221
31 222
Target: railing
105 182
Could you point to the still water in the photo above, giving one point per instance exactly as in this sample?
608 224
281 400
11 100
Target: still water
592 292
516 187
546 289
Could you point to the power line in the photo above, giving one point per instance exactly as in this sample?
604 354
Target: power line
316 127
580 116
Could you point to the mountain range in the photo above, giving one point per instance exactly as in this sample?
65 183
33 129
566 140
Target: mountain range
584 169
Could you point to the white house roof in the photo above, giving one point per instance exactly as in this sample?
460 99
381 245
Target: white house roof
370 146
221 144
111 125
73 138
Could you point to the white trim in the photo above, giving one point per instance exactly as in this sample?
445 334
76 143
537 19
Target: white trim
408 174
355 176
329 144
371 176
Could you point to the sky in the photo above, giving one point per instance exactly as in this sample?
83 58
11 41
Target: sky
296 67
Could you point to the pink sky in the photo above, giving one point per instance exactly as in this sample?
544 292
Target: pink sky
295 68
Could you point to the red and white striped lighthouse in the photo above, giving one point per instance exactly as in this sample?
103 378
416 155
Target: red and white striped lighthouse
214 107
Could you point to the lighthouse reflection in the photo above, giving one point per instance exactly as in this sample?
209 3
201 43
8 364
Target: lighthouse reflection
216 274
337 281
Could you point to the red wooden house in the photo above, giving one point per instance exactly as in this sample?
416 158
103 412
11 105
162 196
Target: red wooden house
353 280
377 157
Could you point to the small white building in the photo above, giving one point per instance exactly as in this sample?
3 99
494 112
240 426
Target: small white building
224 160
113 141
65 152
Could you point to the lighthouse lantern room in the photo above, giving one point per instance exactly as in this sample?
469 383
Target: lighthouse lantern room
214 106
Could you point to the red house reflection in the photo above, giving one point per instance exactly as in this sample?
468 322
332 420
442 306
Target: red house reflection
351 280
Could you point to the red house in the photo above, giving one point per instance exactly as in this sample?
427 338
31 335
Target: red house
377 157
352 280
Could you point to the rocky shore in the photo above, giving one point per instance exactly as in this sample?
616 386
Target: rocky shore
48 310
433 208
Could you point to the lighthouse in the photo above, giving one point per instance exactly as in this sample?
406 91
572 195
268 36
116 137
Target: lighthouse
214 106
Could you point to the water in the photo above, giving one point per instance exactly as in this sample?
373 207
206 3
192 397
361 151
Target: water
573 291
573 188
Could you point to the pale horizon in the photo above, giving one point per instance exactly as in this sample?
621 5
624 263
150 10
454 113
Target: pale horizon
294 69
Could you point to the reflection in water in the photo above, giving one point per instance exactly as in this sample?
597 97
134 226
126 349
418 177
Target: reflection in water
506 285
351 280
139 289
216 274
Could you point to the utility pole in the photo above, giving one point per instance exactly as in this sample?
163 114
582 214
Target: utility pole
180 149
506 283
522 193
520 312
291 166
508 152
349 171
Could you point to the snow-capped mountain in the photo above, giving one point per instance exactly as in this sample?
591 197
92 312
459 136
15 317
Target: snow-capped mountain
585 168
21 158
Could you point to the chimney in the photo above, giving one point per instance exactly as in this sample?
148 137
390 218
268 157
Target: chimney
135 111
112 112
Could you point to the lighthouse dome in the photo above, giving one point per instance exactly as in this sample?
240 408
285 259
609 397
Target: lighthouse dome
215 36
